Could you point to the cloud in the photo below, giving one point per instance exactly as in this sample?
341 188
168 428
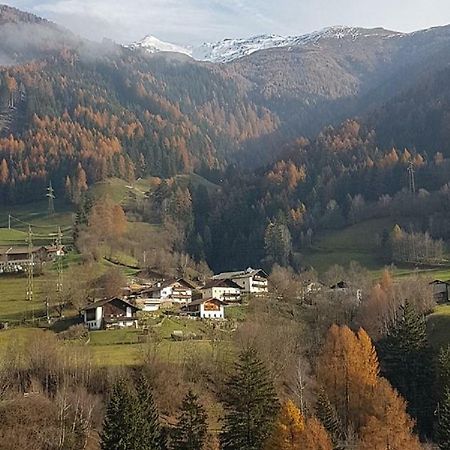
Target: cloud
195 21
182 20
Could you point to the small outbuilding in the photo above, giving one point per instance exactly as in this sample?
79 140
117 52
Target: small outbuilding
440 290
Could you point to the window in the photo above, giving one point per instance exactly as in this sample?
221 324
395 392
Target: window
90 315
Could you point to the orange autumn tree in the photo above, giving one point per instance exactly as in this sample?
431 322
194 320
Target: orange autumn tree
315 437
4 172
348 369
288 428
389 426
107 223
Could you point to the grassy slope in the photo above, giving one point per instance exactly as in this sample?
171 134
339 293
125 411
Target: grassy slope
123 347
13 306
358 243
36 214
438 325
354 243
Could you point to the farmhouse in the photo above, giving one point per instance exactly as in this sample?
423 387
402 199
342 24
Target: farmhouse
110 313
225 290
205 308
250 281
16 259
151 298
176 291
440 290
19 255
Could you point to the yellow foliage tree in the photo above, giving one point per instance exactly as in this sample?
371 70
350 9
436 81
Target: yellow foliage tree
288 429
388 426
315 437
348 369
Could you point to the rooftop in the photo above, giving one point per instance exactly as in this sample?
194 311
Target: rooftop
240 274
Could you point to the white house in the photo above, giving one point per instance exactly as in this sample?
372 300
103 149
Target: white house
109 313
250 281
225 290
175 291
151 298
206 308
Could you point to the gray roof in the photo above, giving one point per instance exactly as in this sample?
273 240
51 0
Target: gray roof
103 302
440 282
240 274
221 282
19 250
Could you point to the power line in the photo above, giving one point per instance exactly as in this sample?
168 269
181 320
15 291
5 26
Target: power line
29 224
59 261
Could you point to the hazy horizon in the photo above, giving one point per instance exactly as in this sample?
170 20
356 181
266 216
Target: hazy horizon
191 22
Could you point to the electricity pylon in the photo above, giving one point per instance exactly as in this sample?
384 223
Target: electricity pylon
51 198
412 179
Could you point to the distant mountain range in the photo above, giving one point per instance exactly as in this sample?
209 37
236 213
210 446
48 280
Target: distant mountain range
228 50
179 113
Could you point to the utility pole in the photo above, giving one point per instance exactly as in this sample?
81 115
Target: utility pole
51 198
9 221
412 179
30 269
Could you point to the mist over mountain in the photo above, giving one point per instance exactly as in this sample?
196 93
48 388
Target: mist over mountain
186 115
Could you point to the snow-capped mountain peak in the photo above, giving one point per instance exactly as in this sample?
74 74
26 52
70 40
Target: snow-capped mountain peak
228 50
155 45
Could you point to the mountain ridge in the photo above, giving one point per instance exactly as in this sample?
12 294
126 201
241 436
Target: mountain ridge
230 49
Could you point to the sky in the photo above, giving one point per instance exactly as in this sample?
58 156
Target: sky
191 22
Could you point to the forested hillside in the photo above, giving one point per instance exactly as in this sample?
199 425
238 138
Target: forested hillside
275 130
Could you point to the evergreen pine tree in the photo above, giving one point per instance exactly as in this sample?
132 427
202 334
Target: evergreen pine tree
406 361
444 369
191 430
329 418
250 405
443 425
119 425
148 426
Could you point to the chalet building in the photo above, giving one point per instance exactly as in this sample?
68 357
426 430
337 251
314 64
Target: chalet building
150 299
16 259
110 313
205 308
19 255
250 281
440 290
225 290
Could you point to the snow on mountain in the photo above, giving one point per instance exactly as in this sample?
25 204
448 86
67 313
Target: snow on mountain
154 45
228 50
231 49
